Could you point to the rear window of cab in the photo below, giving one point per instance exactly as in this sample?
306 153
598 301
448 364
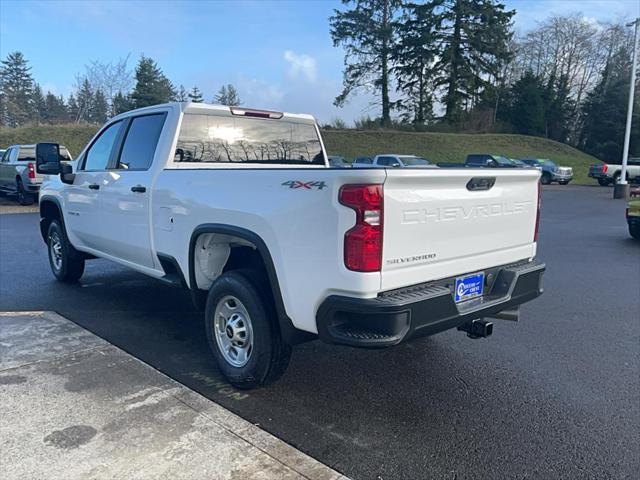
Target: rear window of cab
222 139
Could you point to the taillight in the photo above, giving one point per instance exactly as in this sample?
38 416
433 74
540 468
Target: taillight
604 168
535 234
31 171
363 242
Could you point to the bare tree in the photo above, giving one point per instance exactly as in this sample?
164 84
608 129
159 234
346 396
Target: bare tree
108 77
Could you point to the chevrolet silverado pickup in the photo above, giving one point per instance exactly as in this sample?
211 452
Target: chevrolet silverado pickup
241 207
609 174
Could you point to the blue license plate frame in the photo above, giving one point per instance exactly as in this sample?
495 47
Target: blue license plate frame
469 287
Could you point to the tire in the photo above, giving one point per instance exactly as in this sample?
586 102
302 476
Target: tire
243 332
616 178
545 179
24 197
634 231
603 182
66 263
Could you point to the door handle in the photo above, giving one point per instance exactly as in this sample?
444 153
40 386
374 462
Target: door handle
94 186
139 189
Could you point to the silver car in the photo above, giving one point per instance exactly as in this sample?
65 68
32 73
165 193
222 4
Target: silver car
18 174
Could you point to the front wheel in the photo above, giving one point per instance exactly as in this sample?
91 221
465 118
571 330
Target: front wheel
243 332
545 179
634 231
66 264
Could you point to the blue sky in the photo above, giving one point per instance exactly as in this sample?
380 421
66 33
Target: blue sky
278 53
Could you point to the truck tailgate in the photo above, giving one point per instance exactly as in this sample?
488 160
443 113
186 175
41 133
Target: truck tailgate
436 227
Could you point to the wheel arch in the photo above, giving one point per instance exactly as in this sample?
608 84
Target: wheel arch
50 209
289 333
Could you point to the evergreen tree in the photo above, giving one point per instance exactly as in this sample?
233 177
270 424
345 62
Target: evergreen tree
56 111
182 95
527 113
367 32
16 88
473 36
72 108
559 108
414 56
227 95
121 103
195 95
605 111
84 101
152 87
99 108
39 104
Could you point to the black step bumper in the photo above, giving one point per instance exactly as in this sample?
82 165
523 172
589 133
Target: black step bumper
425 309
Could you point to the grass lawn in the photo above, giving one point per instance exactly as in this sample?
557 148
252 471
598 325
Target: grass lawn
440 147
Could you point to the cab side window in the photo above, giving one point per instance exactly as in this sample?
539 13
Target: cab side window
7 154
99 153
140 145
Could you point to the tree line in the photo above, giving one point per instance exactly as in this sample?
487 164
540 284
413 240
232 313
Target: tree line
102 91
457 65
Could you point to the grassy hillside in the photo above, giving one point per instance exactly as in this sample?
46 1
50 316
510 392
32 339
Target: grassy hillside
454 147
441 147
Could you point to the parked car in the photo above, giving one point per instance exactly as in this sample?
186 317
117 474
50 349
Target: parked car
550 171
362 161
290 250
18 173
337 161
489 161
609 173
397 161
633 214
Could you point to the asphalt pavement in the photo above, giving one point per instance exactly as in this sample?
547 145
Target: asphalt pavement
556 395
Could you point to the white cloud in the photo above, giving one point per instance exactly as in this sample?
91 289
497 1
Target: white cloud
301 65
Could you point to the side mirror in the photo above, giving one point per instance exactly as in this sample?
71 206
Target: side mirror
66 173
48 158
396 165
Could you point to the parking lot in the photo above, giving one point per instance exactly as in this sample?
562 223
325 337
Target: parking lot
553 396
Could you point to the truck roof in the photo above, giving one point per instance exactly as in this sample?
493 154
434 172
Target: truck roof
208 108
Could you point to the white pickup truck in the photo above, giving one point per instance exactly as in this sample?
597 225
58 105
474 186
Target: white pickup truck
241 207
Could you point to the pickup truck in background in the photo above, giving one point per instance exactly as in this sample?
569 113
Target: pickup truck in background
609 173
392 160
550 171
240 207
18 174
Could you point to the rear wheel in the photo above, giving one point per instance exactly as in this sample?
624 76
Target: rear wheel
634 231
242 330
603 182
24 197
66 264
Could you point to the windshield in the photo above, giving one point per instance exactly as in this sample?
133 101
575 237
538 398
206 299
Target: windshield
550 164
414 161
221 139
503 160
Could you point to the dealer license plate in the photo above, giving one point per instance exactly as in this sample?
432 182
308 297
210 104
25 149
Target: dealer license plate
468 287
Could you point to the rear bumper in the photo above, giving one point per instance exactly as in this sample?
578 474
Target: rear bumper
425 309
597 175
